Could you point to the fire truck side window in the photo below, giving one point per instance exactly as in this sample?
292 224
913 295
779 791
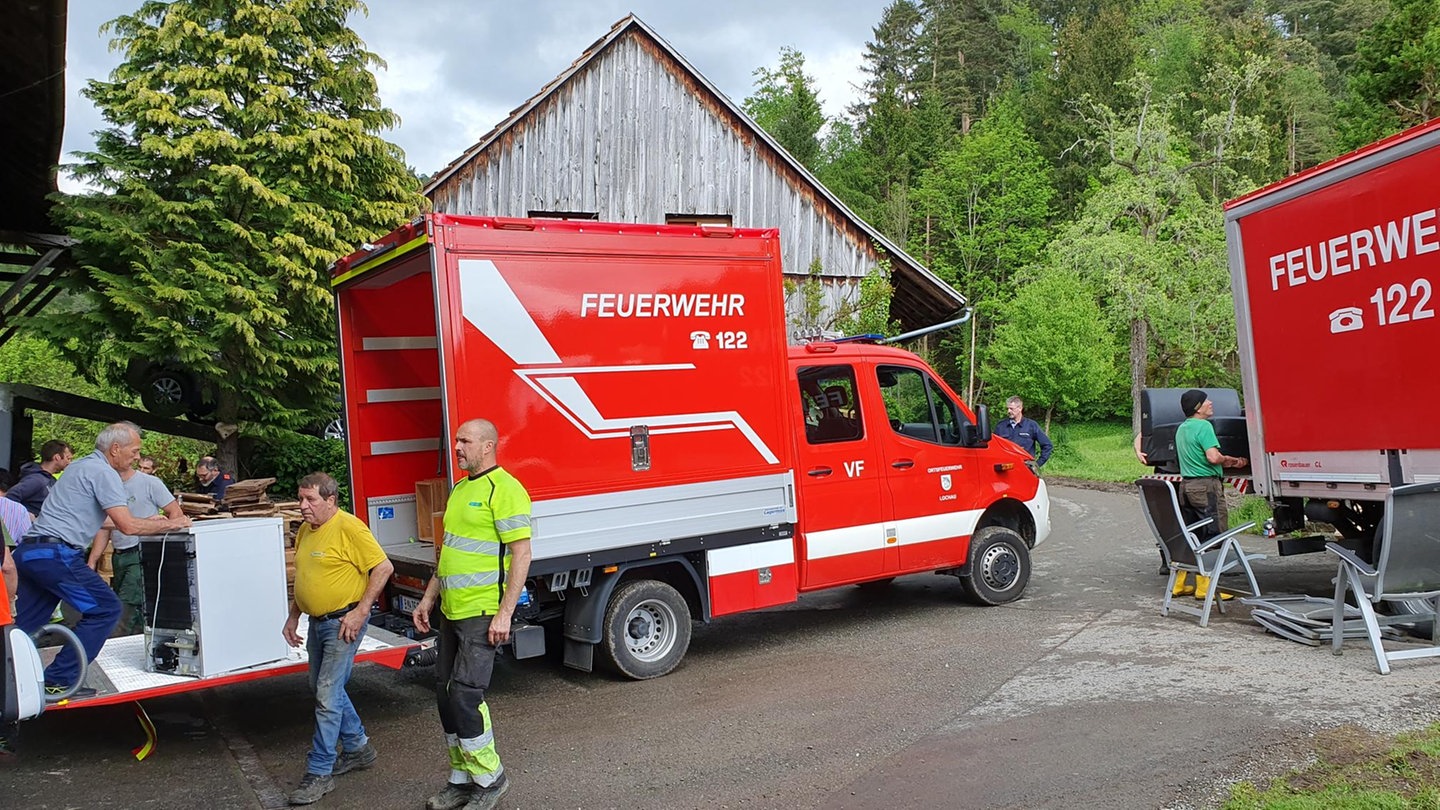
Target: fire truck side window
832 411
916 407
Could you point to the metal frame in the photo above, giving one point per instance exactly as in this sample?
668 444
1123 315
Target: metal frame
1183 550
1407 569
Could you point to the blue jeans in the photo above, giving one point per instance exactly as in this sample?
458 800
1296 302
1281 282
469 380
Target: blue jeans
50 572
331 660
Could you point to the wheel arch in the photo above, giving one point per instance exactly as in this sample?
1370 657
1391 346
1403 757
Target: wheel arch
1013 515
585 615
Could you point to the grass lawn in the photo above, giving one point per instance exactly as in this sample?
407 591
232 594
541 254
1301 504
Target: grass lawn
1355 769
1095 451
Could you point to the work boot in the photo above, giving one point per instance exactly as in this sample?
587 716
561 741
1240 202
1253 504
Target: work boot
1181 589
312 787
83 692
487 798
355 760
452 797
1202 586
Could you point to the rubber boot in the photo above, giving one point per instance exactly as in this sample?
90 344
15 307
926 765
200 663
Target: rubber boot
1181 589
1202 584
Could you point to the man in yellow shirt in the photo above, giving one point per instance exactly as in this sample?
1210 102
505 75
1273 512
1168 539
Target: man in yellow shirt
339 572
484 560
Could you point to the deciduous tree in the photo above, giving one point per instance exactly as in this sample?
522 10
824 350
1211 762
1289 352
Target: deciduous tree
1053 347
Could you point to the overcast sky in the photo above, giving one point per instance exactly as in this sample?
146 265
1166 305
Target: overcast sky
457 68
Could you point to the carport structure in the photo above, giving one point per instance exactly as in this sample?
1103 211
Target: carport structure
33 257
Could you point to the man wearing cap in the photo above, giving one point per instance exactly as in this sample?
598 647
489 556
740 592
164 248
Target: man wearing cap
1202 466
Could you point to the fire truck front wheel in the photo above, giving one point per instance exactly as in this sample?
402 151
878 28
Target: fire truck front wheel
999 567
647 629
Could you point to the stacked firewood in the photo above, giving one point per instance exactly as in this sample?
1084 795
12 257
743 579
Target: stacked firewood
248 499
197 506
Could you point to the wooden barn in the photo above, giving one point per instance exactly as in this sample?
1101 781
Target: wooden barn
630 132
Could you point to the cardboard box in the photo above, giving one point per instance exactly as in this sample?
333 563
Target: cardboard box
430 495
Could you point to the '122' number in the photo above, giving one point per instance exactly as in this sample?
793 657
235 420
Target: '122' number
1398 297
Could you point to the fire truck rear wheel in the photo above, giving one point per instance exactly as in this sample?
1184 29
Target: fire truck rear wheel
647 629
999 566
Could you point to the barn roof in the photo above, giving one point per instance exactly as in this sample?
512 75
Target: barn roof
920 296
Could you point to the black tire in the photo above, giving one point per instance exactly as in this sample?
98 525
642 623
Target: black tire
167 394
999 567
647 629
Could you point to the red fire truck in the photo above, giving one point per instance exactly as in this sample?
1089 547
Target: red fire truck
685 462
1334 273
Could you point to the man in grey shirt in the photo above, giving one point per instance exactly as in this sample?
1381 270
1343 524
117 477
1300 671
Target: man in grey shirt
51 557
148 497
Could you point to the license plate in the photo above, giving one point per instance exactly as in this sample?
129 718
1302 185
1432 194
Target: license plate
406 604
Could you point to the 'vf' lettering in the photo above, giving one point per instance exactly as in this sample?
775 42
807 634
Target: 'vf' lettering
853 468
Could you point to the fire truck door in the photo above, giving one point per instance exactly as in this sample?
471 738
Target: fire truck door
926 472
841 531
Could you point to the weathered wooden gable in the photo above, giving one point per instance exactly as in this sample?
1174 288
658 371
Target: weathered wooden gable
630 133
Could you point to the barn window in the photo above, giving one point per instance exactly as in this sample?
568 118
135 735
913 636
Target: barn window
699 220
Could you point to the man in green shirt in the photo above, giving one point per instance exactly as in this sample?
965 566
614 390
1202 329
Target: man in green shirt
1202 467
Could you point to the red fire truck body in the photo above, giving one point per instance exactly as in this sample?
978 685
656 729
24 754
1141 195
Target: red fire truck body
683 460
1334 273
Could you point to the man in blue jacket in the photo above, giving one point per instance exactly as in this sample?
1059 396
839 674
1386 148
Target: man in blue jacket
1024 432
37 479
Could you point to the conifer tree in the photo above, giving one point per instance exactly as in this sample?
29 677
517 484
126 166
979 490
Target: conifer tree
241 156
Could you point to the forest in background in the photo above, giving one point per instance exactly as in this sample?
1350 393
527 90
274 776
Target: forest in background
1064 165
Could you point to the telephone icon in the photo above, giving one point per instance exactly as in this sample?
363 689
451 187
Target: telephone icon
699 340
1346 319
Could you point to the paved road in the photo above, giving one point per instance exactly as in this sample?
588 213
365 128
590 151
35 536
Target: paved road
1078 695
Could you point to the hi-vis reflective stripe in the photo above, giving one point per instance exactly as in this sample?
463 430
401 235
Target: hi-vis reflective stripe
454 581
455 541
872 536
387 256
477 743
510 524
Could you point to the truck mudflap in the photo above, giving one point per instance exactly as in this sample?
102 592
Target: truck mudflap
118 674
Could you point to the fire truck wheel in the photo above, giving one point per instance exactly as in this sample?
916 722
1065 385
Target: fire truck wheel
647 629
999 566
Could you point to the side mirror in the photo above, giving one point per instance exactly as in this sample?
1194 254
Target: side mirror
978 434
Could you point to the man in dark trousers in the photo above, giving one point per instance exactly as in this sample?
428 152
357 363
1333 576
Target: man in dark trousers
50 559
1024 432
477 584
37 479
